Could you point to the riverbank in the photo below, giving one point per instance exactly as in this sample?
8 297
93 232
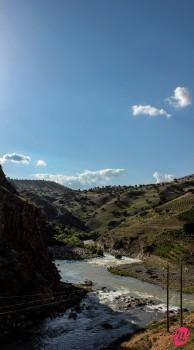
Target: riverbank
153 270
155 337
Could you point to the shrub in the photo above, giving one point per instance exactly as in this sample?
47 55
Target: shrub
72 240
187 215
94 249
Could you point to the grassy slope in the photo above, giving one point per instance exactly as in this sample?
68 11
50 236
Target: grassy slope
155 336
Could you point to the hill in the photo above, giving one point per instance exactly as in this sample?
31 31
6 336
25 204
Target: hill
154 219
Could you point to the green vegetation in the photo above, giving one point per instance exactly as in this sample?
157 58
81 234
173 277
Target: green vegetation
71 240
171 244
62 232
94 249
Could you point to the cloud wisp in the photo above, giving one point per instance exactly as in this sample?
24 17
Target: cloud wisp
149 110
41 163
163 177
15 158
181 97
86 179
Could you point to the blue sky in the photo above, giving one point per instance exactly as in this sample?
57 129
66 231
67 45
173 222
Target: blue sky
87 86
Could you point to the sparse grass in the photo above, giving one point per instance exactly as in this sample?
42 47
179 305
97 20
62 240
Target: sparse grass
178 205
172 244
155 336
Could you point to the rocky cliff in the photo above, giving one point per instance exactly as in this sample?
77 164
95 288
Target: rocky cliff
25 264
5 183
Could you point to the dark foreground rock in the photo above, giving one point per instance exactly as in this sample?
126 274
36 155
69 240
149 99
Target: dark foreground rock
28 278
25 263
14 320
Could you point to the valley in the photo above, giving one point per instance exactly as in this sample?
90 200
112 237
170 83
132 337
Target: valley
154 222
116 240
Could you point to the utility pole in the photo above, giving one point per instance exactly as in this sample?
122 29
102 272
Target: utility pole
167 296
181 293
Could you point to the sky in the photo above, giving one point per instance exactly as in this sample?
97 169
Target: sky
97 92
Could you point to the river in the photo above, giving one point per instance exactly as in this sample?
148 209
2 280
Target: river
103 316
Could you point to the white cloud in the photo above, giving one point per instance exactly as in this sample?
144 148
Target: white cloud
86 179
15 158
181 97
149 110
163 177
41 162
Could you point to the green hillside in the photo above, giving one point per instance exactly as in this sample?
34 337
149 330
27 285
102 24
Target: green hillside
135 220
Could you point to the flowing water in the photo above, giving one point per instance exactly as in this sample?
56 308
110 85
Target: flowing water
101 319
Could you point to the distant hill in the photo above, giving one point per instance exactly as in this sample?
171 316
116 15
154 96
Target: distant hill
136 220
51 197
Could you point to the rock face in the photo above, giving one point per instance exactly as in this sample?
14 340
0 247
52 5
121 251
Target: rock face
5 183
25 264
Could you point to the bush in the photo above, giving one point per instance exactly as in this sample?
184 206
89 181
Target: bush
88 235
94 249
73 240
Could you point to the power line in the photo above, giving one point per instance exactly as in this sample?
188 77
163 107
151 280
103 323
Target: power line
30 308
31 302
181 293
20 296
167 296
31 296
24 296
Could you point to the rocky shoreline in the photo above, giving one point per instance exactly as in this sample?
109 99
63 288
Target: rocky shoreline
125 302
